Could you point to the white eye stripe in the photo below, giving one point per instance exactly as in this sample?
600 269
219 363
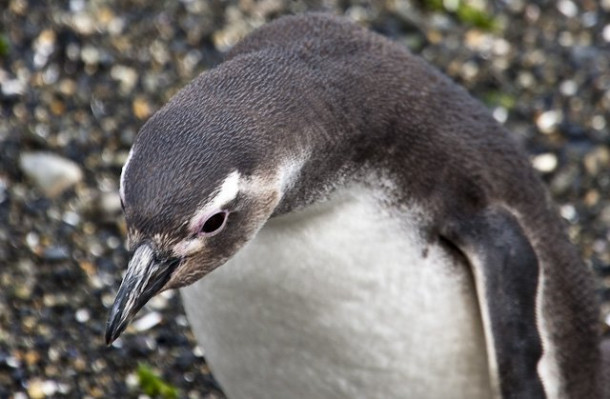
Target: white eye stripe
227 193
228 190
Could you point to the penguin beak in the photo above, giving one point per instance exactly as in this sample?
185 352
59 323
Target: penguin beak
146 276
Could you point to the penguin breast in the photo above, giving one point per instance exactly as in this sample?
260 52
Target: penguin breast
344 299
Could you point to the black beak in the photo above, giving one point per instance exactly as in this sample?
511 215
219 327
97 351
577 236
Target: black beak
146 276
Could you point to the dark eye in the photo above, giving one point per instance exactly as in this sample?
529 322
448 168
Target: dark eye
214 223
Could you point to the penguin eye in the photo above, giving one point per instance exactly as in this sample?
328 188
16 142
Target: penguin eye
214 223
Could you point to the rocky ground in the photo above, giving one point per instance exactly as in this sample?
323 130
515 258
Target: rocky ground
78 78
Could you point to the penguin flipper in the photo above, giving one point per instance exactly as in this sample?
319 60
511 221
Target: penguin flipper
506 272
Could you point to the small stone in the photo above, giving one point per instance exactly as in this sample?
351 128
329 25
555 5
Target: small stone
198 351
132 381
36 389
598 122
110 204
12 362
500 114
50 172
82 315
90 55
44 45
597 160
141 108
567 8
547 121
49 387
128 77
501 46
32 240
526 79
147 321
568 212
479 41
12 88
592 198
58 107
67 87
77 5
568 88
71 218
56 253
545 163
19 7
532 12
83 23
31 357
181 320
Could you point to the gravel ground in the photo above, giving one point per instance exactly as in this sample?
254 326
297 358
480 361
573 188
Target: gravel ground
78 78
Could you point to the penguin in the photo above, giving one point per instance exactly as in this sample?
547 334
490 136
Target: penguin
344 221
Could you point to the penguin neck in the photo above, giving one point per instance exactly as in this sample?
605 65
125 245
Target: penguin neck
337 149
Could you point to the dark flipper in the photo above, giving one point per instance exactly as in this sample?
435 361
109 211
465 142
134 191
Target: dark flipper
506 268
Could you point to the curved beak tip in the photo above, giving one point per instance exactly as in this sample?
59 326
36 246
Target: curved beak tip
117 322
144 279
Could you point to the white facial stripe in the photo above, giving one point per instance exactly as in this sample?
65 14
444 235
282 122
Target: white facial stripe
281 182
289 172
122 180
228 191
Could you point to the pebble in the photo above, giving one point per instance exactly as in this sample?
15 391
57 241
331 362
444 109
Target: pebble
56 253
500 114
568 88
71 218
82 315
147 321
12 88
141 108
545 163
597 160
567 8
44 45
90 55
568 212
126 75
36 389
83 23
547 121
109 204
50 172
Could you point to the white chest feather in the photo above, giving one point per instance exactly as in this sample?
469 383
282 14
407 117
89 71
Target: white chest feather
341 301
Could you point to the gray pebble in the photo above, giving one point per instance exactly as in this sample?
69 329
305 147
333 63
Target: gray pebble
51 173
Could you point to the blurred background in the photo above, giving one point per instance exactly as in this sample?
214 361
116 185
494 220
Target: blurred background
78 78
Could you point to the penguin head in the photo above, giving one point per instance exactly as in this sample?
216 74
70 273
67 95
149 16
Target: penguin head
194 190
